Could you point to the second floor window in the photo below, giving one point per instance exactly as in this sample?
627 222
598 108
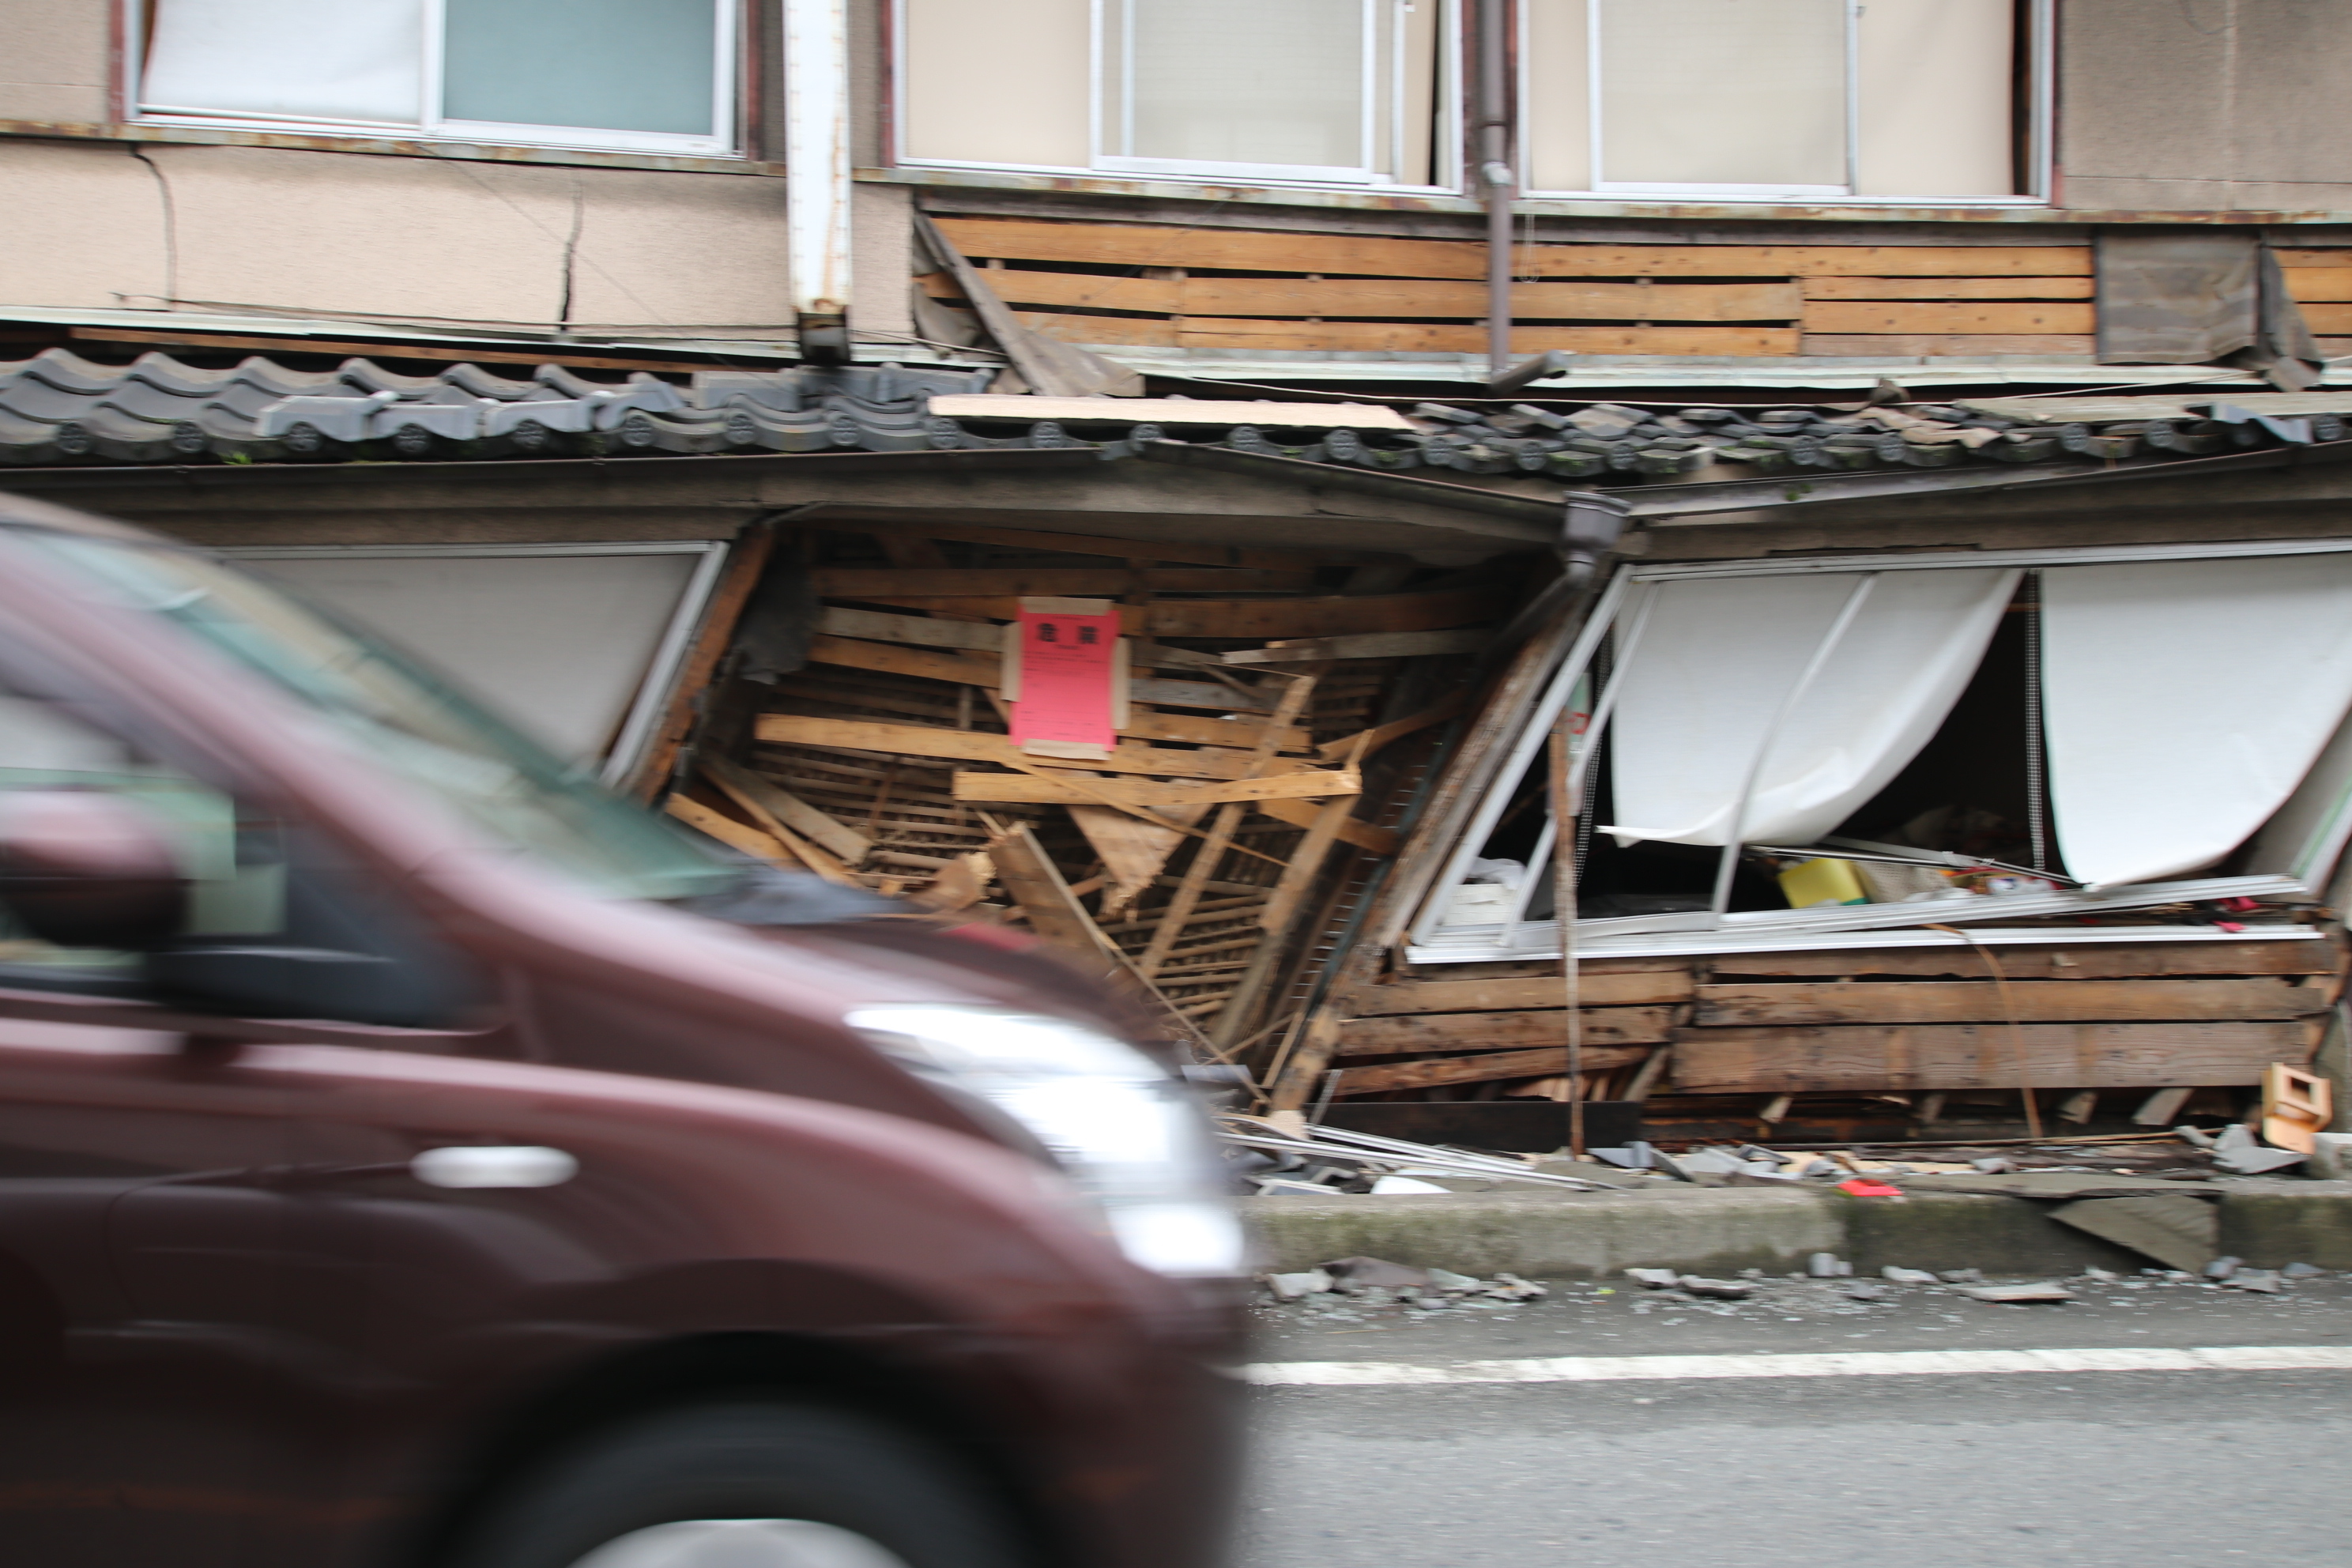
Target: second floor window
657 75
1327 91
1799 100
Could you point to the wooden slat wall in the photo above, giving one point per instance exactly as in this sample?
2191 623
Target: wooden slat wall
2321 282
1167 286
2114 1017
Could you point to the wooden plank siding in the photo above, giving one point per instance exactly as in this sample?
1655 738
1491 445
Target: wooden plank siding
1835 1023
1165 286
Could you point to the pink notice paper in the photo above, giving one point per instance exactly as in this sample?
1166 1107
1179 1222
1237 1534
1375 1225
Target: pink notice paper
1066 678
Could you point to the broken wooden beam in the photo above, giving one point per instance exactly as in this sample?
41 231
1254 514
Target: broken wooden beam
1550 1060
1494 1031
1152 795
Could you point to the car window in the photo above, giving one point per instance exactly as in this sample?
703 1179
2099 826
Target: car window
277 923
372 703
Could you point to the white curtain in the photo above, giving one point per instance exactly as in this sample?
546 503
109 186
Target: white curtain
351 59
2185 701
1717 662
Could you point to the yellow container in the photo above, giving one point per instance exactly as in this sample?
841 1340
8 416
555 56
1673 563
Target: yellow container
1818 882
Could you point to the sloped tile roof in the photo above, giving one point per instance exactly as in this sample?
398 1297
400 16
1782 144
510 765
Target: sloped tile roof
60 409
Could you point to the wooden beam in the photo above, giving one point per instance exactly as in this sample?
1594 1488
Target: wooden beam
964 582
1364 644
1149 795
932 664
1499 996
1388 1036
1187 552
1797 1059
1397 729
1410 298
1206 855
1954 288
733 834
1245 250
746 561
1982 1002
1354 830
2092 960
1543 1063
1055 916
916 631
968 746
1937 316
745 791
819 826
1929 344
1264 619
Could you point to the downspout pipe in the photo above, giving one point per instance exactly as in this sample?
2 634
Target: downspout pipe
816 175
1494 173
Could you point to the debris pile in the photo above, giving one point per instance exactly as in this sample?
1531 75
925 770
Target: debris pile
1376 1281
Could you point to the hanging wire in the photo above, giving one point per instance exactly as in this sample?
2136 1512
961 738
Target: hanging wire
2036 810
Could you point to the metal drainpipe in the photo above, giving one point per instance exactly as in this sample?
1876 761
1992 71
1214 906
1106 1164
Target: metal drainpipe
1495 173
817 175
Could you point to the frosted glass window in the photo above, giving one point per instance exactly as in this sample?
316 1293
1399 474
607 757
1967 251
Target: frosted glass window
1772 99
653 74
288 59
1343 91
1723 93
1246 81
621 65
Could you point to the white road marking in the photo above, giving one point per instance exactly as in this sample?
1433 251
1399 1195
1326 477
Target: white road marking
1833 1363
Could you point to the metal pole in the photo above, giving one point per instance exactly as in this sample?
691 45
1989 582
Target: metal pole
1494 171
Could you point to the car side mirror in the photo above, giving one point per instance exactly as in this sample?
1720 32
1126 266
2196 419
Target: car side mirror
85 868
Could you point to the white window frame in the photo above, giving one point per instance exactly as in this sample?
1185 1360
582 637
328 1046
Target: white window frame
1445 149
726 96
2040 32
1431 942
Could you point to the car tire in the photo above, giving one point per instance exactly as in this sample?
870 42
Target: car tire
746 1486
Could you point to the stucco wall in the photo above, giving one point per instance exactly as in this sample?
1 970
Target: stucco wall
53 60
2205 104
104 224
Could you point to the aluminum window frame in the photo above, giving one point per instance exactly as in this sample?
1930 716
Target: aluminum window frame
1447 148
731 79
1719 929
2037 37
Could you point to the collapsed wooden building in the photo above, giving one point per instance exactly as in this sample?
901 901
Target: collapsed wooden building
1900 768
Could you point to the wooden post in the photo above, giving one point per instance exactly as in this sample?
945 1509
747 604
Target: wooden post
1563 882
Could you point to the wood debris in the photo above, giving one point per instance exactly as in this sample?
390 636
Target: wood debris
1273 707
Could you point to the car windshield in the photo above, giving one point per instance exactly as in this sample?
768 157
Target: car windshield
383 708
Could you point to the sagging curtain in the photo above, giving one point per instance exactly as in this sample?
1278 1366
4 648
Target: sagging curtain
2184 701
1719 657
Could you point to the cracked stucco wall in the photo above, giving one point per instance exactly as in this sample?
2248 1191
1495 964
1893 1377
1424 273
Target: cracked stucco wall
110 224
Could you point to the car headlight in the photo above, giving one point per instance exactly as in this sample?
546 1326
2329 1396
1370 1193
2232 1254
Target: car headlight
1125 1132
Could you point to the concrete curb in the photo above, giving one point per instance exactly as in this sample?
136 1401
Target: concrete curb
1712 1230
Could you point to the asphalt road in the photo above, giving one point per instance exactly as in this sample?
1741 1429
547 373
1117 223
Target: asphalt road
2098 1469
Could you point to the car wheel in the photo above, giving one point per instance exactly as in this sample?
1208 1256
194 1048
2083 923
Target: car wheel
746 1486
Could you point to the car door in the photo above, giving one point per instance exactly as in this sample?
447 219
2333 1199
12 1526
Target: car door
174 1320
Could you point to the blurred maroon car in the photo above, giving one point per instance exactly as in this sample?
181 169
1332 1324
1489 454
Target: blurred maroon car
410 1154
